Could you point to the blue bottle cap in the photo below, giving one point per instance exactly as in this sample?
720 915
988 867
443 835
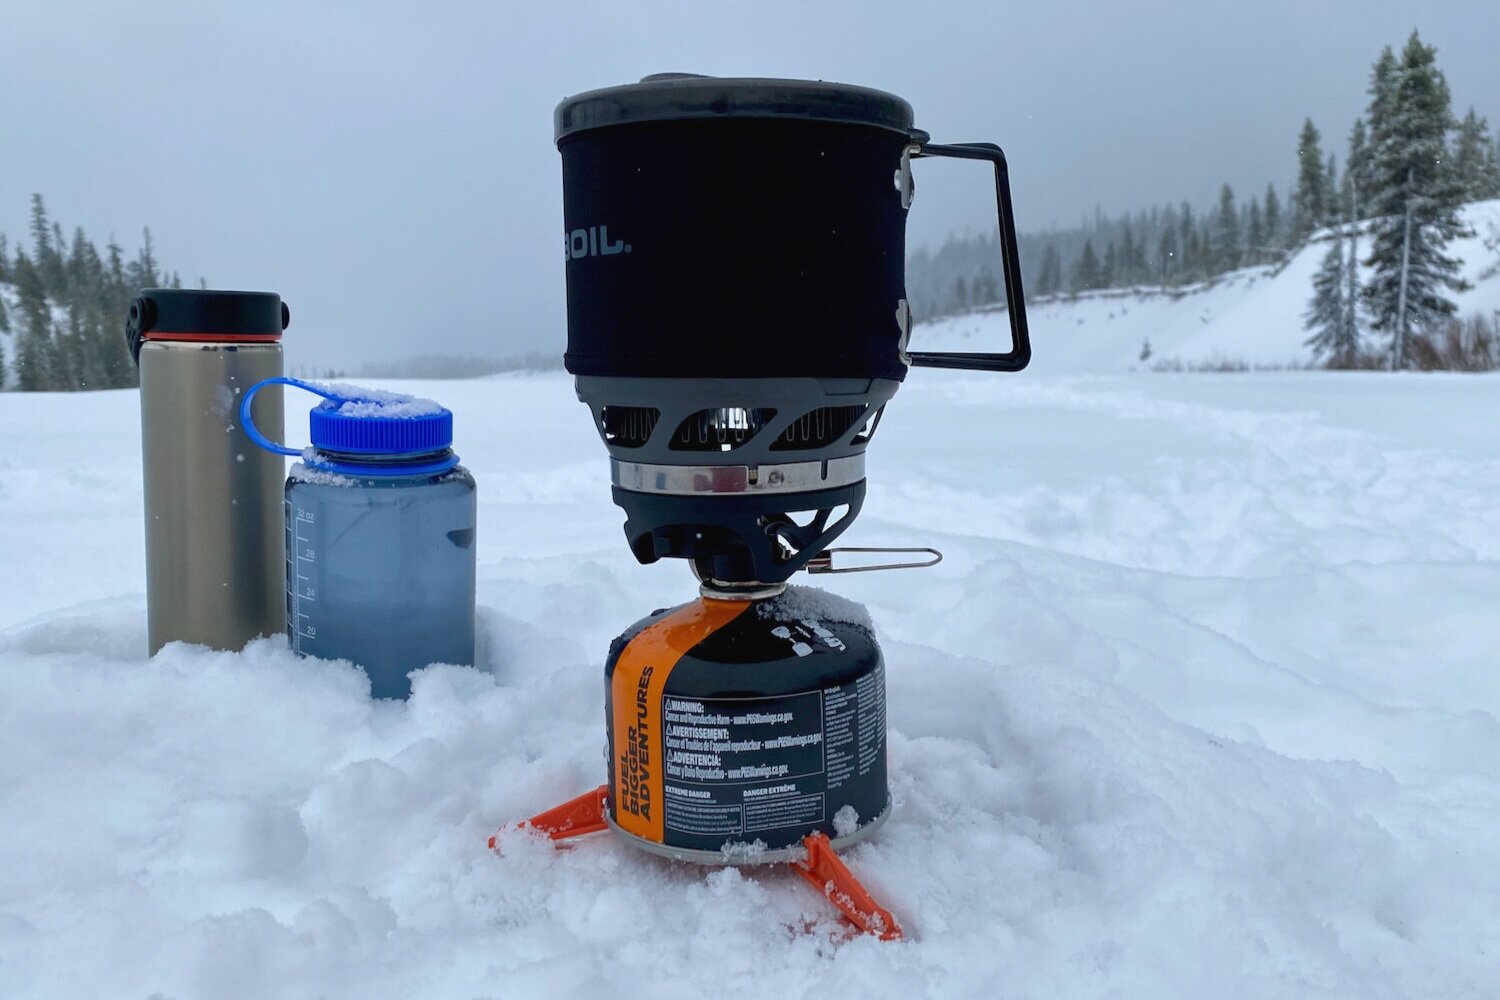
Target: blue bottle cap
366 432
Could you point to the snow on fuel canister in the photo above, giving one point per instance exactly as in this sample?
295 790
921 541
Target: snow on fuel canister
737 727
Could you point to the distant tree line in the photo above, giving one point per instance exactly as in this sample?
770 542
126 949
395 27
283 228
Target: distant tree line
1169 246
69 306
446 366
1407 157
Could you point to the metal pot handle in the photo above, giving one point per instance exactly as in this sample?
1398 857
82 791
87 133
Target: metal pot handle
1010 265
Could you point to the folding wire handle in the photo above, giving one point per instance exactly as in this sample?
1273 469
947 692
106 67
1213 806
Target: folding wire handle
823 561
1010 265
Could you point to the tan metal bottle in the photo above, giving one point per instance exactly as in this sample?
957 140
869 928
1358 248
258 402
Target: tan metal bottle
215 548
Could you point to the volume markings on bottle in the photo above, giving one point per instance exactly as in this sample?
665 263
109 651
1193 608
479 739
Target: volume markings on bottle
304 589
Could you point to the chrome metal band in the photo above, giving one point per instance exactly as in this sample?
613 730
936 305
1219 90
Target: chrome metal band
717 590
692 480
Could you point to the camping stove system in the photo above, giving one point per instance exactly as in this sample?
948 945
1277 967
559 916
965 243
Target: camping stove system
737 324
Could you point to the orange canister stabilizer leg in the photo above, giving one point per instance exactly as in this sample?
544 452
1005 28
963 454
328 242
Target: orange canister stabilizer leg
826 873
573 818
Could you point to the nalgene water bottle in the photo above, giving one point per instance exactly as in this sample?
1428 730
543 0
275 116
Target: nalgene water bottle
379 528
214 568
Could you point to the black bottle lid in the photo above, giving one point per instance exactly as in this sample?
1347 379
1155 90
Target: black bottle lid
679 96
190 314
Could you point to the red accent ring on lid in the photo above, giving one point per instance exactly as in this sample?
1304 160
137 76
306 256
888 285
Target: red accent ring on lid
223 338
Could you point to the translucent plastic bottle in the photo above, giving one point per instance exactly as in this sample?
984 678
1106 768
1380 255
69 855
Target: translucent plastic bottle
380 524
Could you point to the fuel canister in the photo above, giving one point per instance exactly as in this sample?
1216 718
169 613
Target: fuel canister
738 726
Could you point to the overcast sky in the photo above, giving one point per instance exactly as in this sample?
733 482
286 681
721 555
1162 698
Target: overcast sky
389 168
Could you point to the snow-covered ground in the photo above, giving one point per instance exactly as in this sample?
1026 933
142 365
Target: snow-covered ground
1252 316
1202 702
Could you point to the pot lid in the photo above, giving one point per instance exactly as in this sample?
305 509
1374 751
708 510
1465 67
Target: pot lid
681 96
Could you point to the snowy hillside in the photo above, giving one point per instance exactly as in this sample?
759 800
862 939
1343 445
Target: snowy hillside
1253 315
1202 703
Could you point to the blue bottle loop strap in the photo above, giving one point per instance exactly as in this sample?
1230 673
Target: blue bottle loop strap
254 433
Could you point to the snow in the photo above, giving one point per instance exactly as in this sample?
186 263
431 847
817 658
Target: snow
318 477
1201 702
846 820
800 601
364 402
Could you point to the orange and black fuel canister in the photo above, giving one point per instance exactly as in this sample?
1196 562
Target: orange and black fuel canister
749 722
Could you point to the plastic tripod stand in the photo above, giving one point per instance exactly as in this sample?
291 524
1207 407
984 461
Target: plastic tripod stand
822 869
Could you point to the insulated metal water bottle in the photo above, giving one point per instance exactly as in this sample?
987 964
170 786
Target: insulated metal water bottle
215 566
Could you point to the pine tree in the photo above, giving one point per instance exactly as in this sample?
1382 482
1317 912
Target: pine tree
4 259
1311 195
1086 276
1383 80
1049 281
63 359
1331 212
114 298
1137 264
986 291
1347 186
1227 244
86 316
1273 219
41 232
1357 166
116 264
1166 256
48 256
1471 158
147 258
141 272
1351 269
59 289
33 341
1194 258
1413 199
1255 235
1109 271
1127 261
1186 246
1327 314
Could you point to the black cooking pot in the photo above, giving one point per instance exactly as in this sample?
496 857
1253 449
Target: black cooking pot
749 228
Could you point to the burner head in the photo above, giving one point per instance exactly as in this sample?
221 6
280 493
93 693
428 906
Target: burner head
748 478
